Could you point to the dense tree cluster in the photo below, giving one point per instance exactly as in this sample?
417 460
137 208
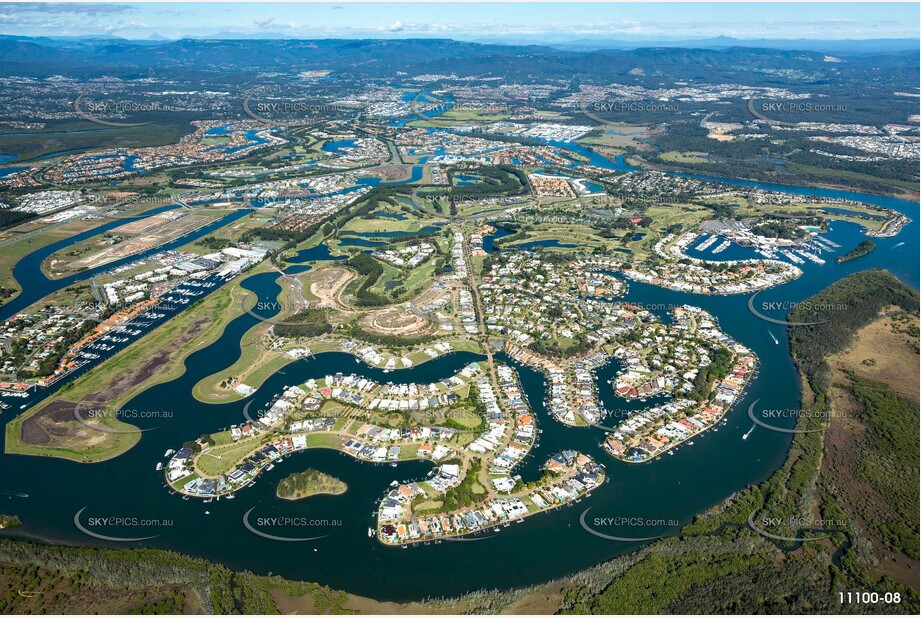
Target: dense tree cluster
888 462
372 270
309 482
860 250
214 243
9 218
463 495
715 371
498 180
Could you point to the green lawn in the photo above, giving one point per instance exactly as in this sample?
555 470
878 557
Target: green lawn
222 459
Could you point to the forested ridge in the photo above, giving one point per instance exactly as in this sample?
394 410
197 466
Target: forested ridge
841 310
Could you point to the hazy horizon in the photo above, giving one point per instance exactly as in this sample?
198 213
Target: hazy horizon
537 22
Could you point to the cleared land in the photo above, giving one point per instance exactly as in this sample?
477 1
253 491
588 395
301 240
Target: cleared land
124 241
396 321
326 285
43 430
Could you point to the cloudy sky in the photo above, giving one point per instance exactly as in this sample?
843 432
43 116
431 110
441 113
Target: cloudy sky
464 20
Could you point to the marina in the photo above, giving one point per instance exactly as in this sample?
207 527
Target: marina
722 246
508 559
706 244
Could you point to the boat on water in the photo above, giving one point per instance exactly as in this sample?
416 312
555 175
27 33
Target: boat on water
370 532
722 246
816 246
811 257
748 433
168 453
707 243
159 465
773 337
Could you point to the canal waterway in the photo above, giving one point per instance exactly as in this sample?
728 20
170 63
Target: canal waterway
675 487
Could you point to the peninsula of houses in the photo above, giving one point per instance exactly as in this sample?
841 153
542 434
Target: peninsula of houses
472 486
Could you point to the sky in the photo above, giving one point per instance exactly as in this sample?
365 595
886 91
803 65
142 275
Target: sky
541 21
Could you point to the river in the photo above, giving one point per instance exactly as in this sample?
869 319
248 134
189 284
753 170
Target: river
544 546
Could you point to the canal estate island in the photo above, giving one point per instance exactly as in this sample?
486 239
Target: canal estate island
422 292
398 279
403 279
308 483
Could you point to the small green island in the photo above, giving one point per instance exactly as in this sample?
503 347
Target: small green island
9 521
860 250
309 483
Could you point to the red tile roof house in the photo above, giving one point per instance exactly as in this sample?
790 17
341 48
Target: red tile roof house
616 446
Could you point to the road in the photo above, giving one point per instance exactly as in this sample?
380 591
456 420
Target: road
395 156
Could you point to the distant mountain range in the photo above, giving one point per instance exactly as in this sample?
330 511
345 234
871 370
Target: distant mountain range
845 47
563 42
387 57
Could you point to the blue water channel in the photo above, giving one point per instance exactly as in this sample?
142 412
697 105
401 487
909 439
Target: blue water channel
543 547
